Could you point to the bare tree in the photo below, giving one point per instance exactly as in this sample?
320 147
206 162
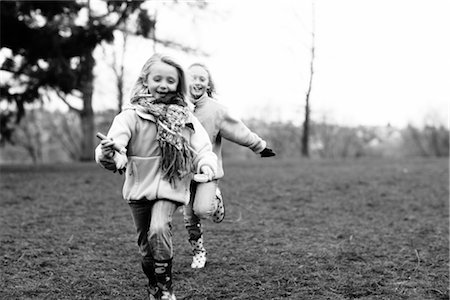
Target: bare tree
307 120
29 135
65 132
117 65
144 26
429 141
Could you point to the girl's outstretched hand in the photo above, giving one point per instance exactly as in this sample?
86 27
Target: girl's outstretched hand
267 152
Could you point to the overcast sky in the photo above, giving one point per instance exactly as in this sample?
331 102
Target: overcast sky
377 61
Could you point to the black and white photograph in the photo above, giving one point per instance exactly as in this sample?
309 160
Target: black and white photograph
234 149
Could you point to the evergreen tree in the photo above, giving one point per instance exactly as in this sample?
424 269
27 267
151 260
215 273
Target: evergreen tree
51 49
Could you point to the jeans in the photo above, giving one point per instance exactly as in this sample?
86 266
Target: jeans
202 205
153 221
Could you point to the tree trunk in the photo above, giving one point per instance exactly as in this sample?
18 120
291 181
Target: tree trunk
120 73
306 131
87 113
87 127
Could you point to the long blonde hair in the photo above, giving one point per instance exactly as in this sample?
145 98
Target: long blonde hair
140 88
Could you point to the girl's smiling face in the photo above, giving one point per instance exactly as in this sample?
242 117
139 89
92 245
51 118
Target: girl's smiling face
162 79
198 82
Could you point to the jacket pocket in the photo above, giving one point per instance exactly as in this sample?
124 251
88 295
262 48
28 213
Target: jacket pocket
141 178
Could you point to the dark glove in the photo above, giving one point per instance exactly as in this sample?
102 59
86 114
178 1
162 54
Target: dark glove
267 152
109 164
121 171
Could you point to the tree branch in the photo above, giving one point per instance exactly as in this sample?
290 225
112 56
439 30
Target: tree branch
171 44
179 46
63 99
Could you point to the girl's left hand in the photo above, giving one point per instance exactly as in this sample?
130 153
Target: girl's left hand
207 171
267 152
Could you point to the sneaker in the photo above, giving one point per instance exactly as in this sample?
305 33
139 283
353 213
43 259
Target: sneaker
219 214
199 258
166 295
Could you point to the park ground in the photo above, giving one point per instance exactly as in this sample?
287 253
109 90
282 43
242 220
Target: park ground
306 229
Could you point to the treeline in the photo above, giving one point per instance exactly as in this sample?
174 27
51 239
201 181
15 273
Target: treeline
336 141
50 137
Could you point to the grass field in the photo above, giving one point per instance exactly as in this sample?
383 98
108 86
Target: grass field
362 229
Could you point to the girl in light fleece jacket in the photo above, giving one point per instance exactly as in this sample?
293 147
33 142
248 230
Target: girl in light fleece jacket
162 145
206 199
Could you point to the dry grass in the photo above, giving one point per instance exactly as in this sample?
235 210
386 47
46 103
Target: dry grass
365 229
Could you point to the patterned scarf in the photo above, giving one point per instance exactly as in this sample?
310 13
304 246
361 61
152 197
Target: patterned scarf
171 113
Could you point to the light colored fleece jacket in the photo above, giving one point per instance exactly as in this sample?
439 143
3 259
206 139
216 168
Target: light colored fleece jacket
136 132
220 123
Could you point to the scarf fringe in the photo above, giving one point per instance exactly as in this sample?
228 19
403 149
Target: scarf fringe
175 164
